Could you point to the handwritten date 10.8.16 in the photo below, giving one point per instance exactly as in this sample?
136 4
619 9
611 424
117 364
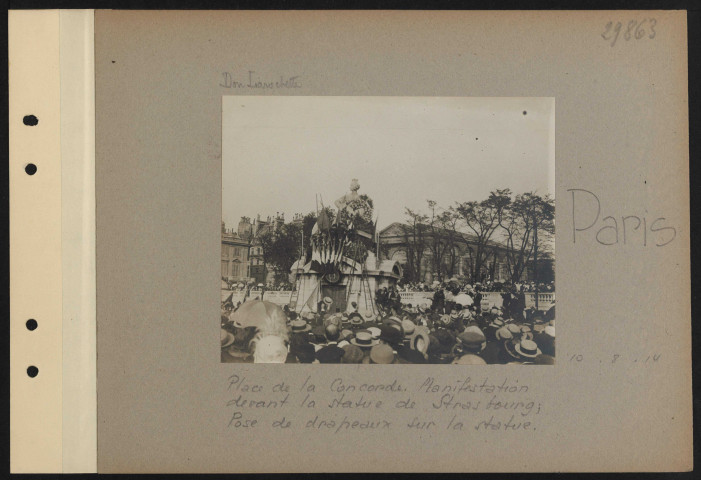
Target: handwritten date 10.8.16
633 30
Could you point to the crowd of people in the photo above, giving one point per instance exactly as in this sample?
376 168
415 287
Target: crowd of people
270 286
448 330
486 286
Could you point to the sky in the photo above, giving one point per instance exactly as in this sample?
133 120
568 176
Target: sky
279 152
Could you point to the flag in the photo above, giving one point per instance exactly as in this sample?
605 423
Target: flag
229 299
311 301
322 221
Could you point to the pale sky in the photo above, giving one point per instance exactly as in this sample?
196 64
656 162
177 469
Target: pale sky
278 152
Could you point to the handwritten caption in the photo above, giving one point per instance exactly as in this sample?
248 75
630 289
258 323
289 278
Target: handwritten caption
631 30
252 80
341 405
617 229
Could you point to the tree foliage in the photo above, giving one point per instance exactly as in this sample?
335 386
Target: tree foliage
481 220
527 217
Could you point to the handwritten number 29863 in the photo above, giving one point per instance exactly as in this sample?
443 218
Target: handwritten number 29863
633 30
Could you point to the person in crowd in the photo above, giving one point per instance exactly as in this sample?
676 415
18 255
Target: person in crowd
331 352
442 332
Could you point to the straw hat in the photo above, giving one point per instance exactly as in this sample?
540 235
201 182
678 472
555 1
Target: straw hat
420 340
363 339
227 338
527 349
408 327
299 326
472 341
375 332
469 359
382 354
356 320
503 334
353 354
497 323
514 329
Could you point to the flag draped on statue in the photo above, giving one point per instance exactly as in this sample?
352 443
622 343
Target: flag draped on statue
311 301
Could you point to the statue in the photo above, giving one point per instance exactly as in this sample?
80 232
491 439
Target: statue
351 205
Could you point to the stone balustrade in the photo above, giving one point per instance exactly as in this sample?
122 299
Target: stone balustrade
545 300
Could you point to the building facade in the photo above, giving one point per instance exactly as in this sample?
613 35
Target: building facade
234 256
398 243
251 230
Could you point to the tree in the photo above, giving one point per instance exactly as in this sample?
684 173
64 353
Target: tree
443 239
482 220
528 223
415 239
281 247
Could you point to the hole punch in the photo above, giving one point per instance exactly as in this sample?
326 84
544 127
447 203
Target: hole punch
32 324
31 169
30 120
32 371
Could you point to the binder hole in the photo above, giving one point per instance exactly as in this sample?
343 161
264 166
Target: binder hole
30 120
32 371
31 169
32 324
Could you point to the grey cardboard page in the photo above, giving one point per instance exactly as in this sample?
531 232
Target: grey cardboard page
619 395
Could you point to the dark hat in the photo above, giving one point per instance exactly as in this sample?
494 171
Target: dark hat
353 354
319 333
330 354
434 345
411 355
390 334
304 352
544 359
444 337
394 322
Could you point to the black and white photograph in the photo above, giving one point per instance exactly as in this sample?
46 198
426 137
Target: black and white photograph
388 230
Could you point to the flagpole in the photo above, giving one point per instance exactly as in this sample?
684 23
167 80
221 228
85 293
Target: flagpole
377 242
